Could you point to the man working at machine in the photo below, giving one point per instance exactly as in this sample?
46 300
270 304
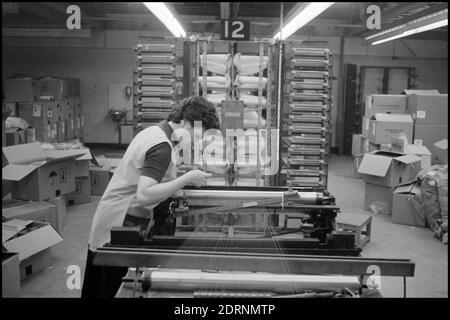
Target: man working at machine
145 177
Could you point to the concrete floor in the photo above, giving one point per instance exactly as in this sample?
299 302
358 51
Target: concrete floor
388 241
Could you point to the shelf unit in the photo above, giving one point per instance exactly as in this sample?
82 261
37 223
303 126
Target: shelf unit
154 82
305 142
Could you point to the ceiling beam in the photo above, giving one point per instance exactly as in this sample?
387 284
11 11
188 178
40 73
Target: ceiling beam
225 9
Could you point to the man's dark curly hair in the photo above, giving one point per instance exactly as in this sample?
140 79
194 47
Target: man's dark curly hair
195 108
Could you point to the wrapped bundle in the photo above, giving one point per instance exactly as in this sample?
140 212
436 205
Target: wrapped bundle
248 65
247 82
216 98
217 63
251 119
216 81
251 100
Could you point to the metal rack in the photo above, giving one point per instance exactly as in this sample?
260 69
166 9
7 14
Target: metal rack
154 83
306 114
200 86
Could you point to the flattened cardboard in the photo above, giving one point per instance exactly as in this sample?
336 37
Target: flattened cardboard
36 211
33 241
410 91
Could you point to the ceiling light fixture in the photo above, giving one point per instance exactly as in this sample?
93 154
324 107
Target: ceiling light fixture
305 13
426 23
165 15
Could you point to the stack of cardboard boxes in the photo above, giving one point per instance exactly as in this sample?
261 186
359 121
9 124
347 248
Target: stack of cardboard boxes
401 135
41 179
51 105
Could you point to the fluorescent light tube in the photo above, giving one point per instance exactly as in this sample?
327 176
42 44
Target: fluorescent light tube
431 26
162 12
409 28
311 11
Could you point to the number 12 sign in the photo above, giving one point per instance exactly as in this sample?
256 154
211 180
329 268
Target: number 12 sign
235 30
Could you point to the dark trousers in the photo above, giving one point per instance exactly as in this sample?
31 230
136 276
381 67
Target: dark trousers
105 281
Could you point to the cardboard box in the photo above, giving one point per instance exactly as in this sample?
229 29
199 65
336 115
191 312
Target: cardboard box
76 127
385 103
428 109
30 135
36 211
10 275
406 205
82 164
12 107
55 87
61 212
100 178
39 175
383 126
67 109
15 136
356 163
439 151
46 133
388 168
365 127
69 129
428 134
359 144
379 198
33 241
61 131
82 193
420 151
76 101
39 113
74 86
20 89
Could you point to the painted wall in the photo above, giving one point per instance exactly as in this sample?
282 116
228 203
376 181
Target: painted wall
107 58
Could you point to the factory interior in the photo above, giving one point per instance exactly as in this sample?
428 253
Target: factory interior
225 150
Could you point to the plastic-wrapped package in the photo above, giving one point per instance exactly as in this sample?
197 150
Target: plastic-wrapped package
434 189
247 82
248 65
16 122
216 98
216 81
217 63
251 100
251 119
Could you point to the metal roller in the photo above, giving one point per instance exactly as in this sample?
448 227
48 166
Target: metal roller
191 280
306 162
155 47
303 197
303 74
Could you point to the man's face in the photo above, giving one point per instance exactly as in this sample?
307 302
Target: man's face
198 133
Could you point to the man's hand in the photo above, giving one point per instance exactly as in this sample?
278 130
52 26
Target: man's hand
197 178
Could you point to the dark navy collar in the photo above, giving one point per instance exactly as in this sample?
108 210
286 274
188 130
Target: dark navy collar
165 126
